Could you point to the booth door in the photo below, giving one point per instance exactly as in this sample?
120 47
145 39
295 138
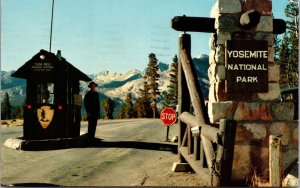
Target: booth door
44 117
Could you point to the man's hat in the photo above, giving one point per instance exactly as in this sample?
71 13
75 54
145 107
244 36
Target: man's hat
92 83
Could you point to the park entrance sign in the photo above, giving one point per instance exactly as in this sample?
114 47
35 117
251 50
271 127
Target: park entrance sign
246 63
168 116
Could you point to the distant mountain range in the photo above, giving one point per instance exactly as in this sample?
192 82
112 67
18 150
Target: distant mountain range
114 85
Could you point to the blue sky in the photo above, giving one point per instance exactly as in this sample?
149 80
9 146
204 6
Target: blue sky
98 35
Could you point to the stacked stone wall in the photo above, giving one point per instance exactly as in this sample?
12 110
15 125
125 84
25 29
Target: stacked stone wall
251 150
258 115
227 14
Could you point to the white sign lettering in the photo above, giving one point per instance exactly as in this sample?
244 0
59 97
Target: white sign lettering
247 54
168 116
42 67
248 67
246 79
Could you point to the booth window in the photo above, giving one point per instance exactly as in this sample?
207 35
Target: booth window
45 92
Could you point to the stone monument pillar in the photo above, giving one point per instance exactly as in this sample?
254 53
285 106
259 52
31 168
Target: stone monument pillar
244 84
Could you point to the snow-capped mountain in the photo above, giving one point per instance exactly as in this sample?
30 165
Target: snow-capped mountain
201 66
105 77
15 87
132 82
111 84
116 85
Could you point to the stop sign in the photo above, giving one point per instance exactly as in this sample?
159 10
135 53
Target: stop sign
168 116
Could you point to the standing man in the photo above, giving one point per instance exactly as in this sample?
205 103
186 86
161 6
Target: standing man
92 107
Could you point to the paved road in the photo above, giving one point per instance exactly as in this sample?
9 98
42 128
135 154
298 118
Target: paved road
131 154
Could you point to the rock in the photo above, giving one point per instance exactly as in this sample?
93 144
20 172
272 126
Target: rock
290 180
175 139
13 143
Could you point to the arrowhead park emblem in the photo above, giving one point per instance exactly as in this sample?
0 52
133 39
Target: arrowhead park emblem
45 115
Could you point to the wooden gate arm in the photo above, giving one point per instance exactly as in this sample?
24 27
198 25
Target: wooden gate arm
195 24
211 133
207 25
192 82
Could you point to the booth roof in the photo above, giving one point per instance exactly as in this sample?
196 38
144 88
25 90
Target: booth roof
59 64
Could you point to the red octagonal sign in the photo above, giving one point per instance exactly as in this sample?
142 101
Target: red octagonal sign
168 116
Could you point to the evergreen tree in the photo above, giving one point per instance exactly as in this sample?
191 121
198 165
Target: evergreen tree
6 108
128 107
165 99
121 112
288 53
108 107
17 112
173 87
276 46
137 106
152 77
143 103
283 61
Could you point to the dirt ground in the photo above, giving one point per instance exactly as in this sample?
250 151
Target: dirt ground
11 123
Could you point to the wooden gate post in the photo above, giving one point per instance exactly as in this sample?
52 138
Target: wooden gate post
275 161
183 93
184 41
228 127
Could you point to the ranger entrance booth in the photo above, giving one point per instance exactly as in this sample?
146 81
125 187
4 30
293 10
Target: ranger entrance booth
52 107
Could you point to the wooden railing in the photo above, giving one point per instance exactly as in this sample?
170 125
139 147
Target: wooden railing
207 148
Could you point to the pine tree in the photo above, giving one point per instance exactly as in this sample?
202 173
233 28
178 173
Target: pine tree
284 63
128 107
276 46
6 108
138 106
17 112
143 103
108 106
165 99
288 53
121 112
152 77
173 87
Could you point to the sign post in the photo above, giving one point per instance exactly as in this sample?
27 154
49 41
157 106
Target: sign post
168 117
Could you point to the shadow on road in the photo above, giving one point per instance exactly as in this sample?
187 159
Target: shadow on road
82 142
136 145
31 185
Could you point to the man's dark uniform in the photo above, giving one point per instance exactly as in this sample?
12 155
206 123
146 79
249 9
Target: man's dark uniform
91 104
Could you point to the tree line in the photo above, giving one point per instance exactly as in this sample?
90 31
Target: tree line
287 48
145 106
8 111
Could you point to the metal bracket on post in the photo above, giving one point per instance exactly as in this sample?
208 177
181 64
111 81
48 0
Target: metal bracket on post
196 131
